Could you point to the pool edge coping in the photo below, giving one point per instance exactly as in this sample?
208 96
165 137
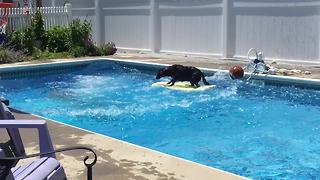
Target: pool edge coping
315 83
277 78
145 148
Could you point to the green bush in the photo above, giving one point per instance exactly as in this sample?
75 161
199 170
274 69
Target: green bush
80 32
22 40
37 53
45 54
28 39
81 37
78 51
107 49
39 31
57 42
91 48
58 39
10 56
15 40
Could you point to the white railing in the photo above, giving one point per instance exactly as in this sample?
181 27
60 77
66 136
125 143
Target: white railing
19 18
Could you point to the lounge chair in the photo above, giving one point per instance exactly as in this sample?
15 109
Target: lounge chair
47 166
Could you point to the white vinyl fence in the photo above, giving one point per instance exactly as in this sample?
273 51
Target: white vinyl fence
18 18
282 29
286 29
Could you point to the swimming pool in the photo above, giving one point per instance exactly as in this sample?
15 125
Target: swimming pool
254 130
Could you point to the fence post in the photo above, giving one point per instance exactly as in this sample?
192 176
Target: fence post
69 12
154 35
98 23
227 29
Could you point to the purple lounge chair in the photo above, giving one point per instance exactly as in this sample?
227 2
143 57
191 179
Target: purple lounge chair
46 167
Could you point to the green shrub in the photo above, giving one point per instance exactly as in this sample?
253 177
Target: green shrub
78 51
57 42
45 54
107 49
31 37
80 32
58 39
81 37
10 56
28 39
15 40
37 53
22 40
91 48
39 31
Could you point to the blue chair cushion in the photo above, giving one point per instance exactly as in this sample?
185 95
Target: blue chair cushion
39 169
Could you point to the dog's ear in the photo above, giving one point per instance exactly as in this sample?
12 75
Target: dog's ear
167 70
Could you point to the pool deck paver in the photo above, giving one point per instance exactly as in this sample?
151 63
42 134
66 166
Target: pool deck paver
223 64
200 61
123 161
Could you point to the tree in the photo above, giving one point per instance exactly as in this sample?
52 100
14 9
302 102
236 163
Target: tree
39 31
38 3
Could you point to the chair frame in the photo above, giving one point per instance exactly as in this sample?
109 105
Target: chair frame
9 160
7 121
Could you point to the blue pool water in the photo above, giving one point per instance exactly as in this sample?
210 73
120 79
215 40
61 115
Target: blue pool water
254 130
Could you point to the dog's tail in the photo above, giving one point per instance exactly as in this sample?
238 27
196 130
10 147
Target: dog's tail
204 80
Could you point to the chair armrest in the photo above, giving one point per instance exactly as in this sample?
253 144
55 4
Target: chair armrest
17 123
88 165
43 132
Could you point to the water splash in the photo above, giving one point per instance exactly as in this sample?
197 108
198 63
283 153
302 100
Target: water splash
237 126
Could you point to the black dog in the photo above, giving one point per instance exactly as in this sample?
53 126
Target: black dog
182 73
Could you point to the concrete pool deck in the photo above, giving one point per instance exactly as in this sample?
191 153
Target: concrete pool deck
223 64
119 160
200 61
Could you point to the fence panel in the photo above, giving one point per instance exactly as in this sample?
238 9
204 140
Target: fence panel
191 26
283 29
127 23
18 18
286 29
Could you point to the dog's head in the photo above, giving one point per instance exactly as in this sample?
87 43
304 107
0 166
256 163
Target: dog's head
162 73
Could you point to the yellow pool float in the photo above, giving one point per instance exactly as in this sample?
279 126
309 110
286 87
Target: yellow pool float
183 86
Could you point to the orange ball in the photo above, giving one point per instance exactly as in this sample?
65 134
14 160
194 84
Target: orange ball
236 72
